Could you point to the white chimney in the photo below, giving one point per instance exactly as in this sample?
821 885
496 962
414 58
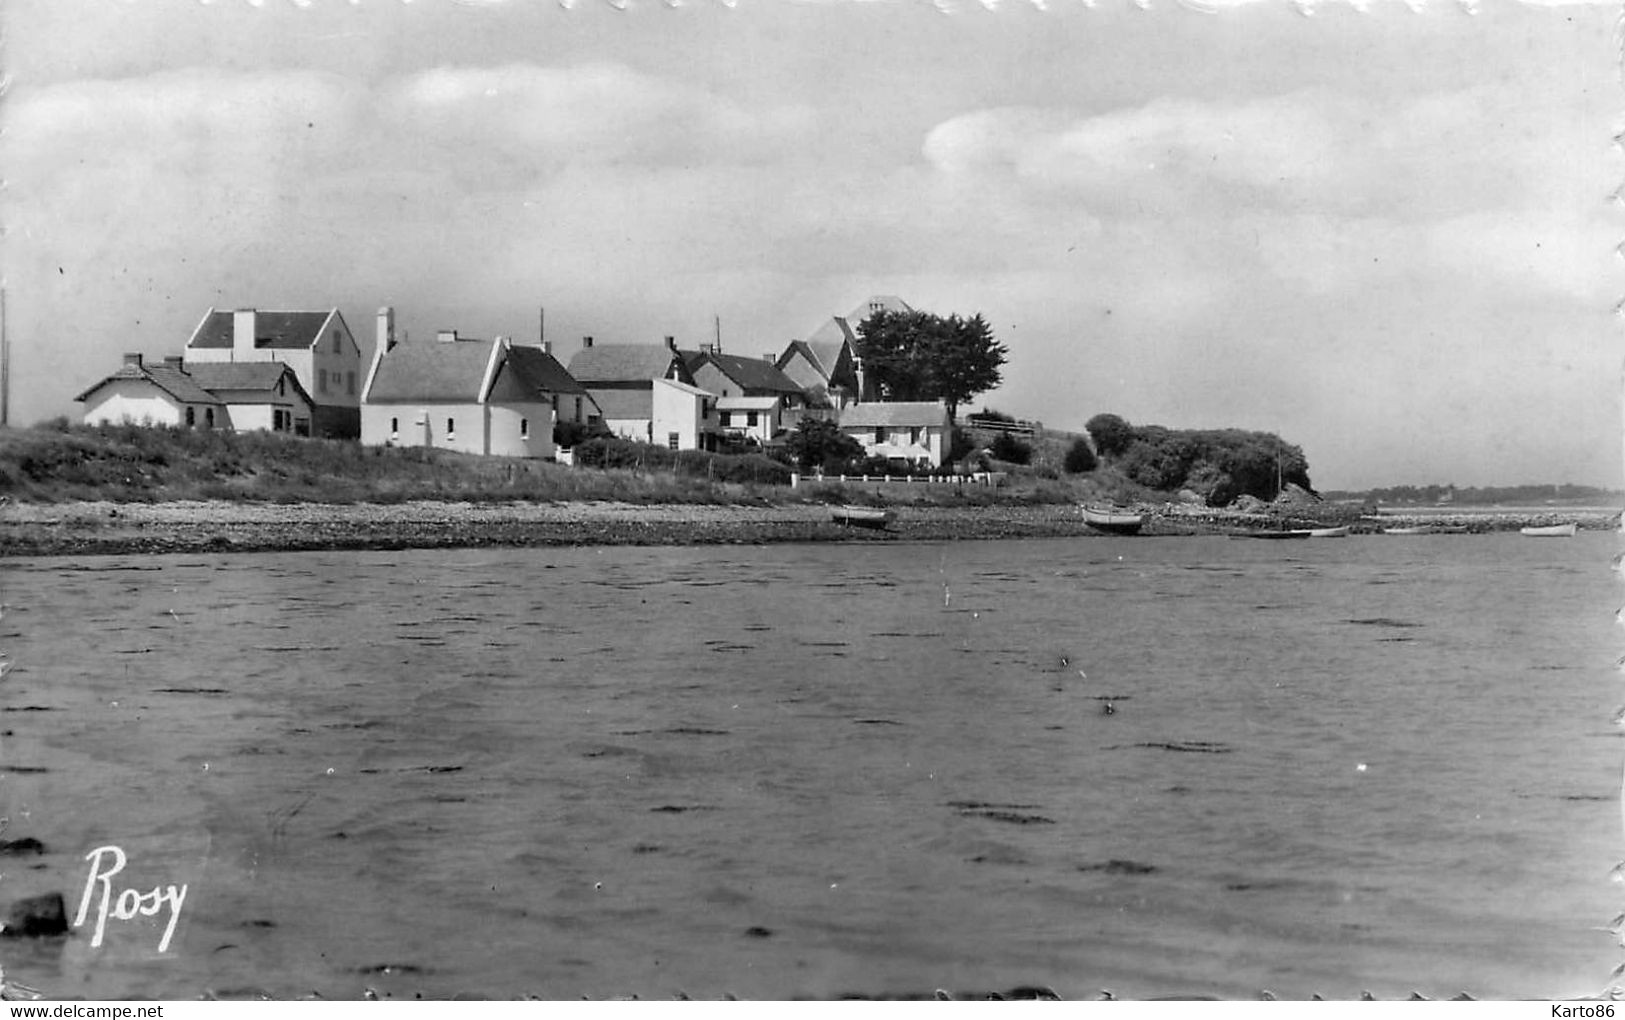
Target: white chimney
242 334
386 329
446 336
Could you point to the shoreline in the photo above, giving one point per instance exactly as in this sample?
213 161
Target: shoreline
104 528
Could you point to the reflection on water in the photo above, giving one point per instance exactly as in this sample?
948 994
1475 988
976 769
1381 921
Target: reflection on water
1160 766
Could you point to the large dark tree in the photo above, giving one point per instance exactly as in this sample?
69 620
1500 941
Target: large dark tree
920 356
819 444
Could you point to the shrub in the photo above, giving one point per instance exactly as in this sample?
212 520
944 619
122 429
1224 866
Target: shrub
1112 435
1080 459
960 445
1009 448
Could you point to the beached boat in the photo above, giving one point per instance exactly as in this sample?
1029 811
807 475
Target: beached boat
1117 522
1428 529
1338 532
863 516
1552 531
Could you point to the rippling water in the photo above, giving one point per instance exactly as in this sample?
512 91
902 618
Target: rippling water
777 771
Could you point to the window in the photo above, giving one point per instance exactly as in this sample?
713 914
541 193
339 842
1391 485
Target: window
750 419
208 417
524 428
725 418
914 435
394 427
350 377
321 380
578 409
451 427
671 440
338 344
191 416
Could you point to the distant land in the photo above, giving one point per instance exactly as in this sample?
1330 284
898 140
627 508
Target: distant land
1508 495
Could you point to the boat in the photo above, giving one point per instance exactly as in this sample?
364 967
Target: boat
1280 533
1116 522
863 516
1552 531
1338 532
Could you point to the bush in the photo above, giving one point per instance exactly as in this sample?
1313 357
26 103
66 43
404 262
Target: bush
624 454
1080 460
1008 448
960 445
986 415
1112 435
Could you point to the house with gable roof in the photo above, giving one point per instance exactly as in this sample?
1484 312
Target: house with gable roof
317 345
911 432
144 394
646 393
490 397
755 400
826 364
264 396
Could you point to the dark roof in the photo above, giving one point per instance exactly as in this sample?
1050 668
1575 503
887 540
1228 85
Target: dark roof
277 330
749 373
625 363
541 370
629 403
249 377
431 371
172 379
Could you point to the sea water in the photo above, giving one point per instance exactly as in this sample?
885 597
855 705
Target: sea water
1158 766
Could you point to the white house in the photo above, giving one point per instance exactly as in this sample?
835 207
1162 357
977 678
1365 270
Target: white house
647 394
317 345
264 396
913 432
142 394
474 396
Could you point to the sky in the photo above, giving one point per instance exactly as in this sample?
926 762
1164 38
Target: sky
1385 232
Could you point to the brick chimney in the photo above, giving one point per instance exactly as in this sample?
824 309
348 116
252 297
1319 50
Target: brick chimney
243 322
173 361
547 347
133 360
386 329
770 358
586 342
446 336
671 343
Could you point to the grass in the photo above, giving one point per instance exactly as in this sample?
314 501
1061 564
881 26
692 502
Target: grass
59 462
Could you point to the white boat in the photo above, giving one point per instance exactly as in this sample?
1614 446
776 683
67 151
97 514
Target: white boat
1552 531
863 516
1338 532
1117 522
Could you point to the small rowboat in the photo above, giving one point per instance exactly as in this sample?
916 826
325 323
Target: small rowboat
1115 522
1428 529
863 516
1340 532
1289 533
1552 531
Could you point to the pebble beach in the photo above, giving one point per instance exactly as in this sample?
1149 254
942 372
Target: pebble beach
103 528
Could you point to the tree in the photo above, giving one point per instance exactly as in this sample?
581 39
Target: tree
1112 435
1080 460
921 356
817 443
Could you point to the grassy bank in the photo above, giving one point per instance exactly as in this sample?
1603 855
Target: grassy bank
133 464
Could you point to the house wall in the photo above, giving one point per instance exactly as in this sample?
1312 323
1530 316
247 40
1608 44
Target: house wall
931 445
803 374
767 422
425 425
137 402
713 380
677 411
639 430
505 440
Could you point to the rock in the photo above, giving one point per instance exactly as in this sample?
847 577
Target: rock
35 916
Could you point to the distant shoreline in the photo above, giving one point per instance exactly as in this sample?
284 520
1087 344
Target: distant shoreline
102 528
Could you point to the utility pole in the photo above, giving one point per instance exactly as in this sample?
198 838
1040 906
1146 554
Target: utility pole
5 365
718 319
